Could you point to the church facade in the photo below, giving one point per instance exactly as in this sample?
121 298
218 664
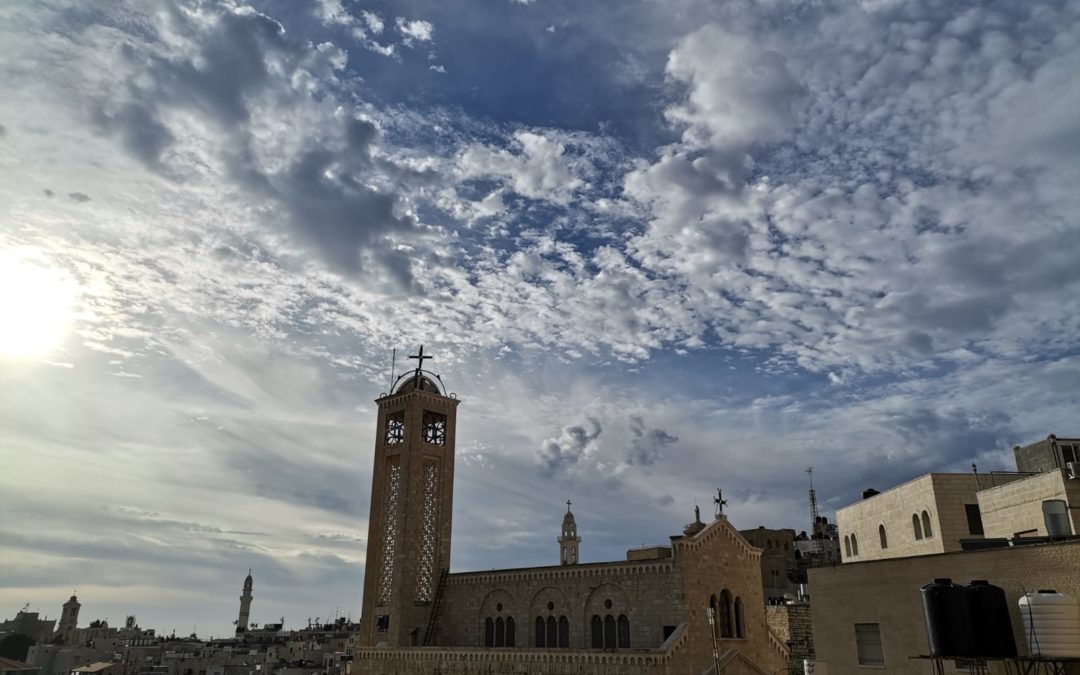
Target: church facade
695 606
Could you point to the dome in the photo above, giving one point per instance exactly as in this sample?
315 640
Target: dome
409 382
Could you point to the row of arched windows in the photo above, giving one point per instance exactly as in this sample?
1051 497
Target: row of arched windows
499 633
922 529
552 633
919 523
609 633
851 545
728 615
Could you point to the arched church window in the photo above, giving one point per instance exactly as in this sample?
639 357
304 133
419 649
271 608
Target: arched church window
434 427
500 632
510 632
916 526
624 632
552 633
882 536
489 632
726 614
609 632
927 532
854 544
597 632
540 632
740 628
395 428
564 632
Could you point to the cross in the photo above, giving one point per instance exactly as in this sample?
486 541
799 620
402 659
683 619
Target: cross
720 502
419 356
568 502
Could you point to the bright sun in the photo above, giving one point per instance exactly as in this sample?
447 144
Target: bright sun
36 304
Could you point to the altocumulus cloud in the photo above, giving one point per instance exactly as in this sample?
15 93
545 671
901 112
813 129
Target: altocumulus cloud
849 235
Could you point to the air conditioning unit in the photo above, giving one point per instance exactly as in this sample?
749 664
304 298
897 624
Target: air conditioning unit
1073 469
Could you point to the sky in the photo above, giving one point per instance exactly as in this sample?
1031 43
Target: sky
656 248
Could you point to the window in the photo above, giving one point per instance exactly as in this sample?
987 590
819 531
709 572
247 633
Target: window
1070 453
609 632
868 645
740 629
395 428
552 633
974 519
847 545
726 612
854 545
927 532
624 632
500 632
882 537
564 632
434 428
916 526
510 632
597 632
489 632
540 641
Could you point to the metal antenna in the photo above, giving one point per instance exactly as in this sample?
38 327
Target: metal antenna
393 362
815 542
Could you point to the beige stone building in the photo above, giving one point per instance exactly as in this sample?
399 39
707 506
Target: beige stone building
868 615
1027 507
778 563
650 613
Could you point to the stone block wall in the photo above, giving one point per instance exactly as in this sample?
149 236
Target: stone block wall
1017 507
887 592
793 624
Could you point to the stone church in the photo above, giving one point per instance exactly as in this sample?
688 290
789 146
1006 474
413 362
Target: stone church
693 607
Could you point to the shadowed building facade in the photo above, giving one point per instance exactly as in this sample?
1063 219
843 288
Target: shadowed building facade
692 606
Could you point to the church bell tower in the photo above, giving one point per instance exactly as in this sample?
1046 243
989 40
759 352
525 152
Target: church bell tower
244 616
412 496
569 541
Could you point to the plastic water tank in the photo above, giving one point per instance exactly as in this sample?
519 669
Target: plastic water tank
990 622
1051 624
948 621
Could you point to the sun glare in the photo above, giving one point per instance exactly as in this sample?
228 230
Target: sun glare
36 304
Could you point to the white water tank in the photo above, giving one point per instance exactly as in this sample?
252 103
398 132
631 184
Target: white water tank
1051 624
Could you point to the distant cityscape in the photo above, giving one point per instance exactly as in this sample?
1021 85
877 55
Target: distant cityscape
835 597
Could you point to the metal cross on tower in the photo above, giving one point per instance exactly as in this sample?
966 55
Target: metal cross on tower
419 356
720 502
568 502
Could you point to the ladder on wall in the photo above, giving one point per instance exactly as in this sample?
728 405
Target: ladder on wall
433 617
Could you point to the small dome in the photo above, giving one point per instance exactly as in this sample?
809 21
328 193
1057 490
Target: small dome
408 382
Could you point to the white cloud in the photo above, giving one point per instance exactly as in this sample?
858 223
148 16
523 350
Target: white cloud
417 29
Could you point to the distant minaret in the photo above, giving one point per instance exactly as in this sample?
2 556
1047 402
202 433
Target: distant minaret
245 606
69 621
569 541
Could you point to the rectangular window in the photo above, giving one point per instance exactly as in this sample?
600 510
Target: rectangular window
868 645
1069 453
974 518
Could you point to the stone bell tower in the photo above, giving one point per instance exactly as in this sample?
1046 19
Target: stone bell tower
569 541
412 497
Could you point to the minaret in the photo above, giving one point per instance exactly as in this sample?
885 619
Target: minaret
412 497
245 606
569 540
69 620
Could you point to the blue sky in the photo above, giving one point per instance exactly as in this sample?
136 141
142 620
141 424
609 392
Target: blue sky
656 247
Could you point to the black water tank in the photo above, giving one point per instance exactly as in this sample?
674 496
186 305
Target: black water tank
991 625
948 621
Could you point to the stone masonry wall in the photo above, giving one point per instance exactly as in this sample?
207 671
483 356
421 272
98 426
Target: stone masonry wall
886 592
649 593
793 624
